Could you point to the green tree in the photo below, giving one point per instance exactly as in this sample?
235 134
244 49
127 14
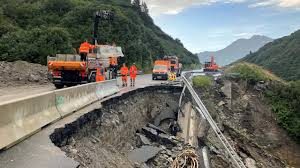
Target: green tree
34 45
136 4
144 8
33 29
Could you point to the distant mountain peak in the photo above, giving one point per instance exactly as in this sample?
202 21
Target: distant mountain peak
281 57
236 50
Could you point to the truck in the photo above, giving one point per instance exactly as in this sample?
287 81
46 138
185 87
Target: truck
164 66
93 62
175 66
73 69
161 69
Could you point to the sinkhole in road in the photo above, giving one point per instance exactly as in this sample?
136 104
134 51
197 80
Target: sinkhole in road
107 136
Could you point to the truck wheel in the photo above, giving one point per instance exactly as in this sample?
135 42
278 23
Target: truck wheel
59 86
153 78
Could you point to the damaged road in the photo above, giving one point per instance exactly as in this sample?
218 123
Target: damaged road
122 133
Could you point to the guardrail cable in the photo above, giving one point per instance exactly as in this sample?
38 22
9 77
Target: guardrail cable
202 110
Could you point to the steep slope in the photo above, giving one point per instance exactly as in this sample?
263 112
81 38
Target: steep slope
32 29
236 50
282 57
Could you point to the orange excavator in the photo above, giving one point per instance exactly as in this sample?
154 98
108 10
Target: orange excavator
211 66
94 62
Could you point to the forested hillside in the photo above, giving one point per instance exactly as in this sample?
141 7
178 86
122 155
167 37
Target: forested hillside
282 57
32 29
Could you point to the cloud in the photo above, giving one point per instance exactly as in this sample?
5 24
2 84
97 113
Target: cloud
295 4
173 7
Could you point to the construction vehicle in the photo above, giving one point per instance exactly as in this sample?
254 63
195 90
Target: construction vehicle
211 66
175 66
161 69
93 63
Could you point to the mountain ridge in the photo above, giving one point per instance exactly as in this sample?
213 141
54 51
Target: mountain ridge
236 50
282 56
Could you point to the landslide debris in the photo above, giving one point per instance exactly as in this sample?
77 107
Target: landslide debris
246 119
22 73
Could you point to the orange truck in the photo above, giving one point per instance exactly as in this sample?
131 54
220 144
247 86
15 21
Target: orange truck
161 69
175 66
90 66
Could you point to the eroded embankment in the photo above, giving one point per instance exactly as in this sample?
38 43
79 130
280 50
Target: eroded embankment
246 119
104 137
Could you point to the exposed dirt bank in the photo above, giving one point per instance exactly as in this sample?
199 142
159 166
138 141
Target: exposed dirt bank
105 137
246 119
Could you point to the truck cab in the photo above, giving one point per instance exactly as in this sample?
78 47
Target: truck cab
161 69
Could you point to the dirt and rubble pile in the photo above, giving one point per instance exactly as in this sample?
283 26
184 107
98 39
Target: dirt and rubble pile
22 73
246 119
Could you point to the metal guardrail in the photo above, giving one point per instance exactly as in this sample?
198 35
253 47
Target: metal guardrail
203 111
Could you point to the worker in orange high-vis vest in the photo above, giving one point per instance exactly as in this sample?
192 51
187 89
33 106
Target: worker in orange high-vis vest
84 49
100 76
124 73
133 73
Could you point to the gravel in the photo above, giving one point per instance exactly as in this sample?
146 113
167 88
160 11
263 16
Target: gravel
22 73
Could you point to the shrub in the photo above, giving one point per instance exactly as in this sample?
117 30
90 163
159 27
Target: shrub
202 81
285 102
251 72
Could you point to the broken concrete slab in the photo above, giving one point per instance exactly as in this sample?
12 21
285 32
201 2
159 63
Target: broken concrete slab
150 133
166 139
143 139
159 130
143 154
162 138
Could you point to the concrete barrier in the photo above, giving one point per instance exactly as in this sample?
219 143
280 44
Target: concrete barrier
23 117
72 99
106 88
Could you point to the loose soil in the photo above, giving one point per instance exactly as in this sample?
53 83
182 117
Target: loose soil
22 73
248 122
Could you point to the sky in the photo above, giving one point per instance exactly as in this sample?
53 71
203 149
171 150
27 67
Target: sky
210 25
